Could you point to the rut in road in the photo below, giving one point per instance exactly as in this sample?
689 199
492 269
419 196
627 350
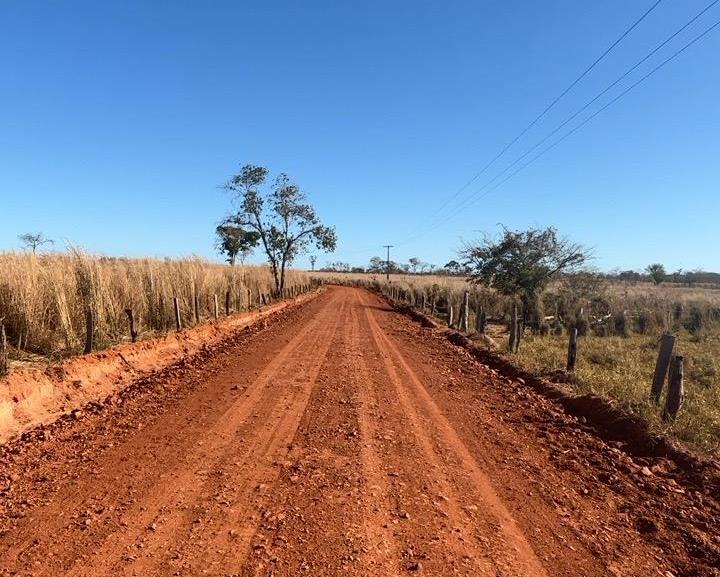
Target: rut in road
340 439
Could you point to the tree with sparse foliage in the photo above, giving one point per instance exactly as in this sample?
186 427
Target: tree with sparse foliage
234 241
414 263
657 272
33 240
377 265
521 263
280 214
455 268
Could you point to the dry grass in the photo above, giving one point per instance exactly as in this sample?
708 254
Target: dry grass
622 369
43 298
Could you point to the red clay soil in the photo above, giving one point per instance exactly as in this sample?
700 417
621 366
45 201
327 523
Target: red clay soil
33 396
341 438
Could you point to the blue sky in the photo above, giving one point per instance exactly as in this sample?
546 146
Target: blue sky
119 119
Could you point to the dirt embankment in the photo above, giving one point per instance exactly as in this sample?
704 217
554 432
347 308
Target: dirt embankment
31 396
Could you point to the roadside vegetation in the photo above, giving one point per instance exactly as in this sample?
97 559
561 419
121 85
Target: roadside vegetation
44 297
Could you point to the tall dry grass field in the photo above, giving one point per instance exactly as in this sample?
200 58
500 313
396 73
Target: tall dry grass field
44 298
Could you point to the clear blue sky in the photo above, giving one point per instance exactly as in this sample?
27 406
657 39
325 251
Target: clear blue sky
119 119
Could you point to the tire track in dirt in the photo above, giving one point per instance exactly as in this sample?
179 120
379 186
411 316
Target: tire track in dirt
509 551
156 522
313 518
581 516
384 548
99 486
428 521
301 372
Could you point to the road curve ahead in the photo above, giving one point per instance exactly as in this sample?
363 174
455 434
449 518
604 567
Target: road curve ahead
340 438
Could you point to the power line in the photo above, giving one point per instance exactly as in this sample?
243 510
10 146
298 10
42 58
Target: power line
602 109
549 106
587 104
471 200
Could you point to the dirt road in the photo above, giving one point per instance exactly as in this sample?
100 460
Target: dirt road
341 438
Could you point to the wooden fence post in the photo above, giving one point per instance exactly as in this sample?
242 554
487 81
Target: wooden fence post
162 319
227 303
131 321
480 321
432 306
450 315
178 321
464 323
512 342
676 390
89 330
197 308
572 350
215 307
667 345
3 350
249 300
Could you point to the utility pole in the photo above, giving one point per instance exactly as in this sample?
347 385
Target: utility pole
387 262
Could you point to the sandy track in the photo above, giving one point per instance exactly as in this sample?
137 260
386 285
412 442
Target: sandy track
342 439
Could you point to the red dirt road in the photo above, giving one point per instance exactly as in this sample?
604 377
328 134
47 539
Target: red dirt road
341 438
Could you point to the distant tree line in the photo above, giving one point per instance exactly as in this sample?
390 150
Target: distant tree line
464 267
657 274
414 265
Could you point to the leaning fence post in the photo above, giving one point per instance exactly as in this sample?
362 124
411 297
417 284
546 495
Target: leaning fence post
89 330
572 350
676 390
131 321
450 315
3 350
667 345
178 321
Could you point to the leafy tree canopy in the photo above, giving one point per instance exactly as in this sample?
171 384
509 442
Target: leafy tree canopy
521 263
234 241
281 215
657 272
